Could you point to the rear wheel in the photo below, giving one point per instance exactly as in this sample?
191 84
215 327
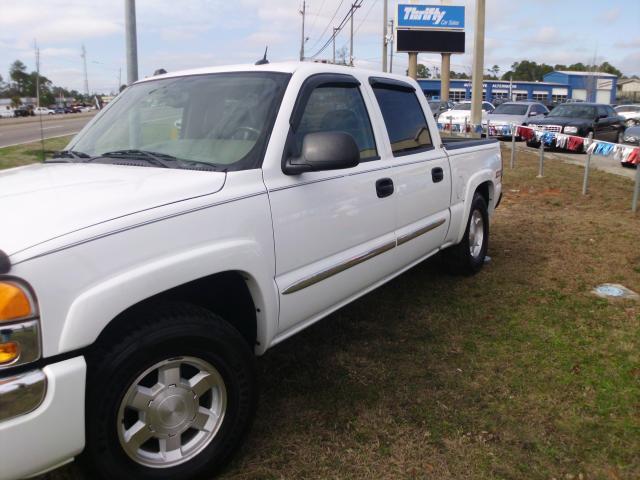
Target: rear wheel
171 398
468 256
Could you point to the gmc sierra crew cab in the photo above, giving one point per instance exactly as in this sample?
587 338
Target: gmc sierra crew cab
201 218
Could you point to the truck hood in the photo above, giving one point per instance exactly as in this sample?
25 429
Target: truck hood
44 201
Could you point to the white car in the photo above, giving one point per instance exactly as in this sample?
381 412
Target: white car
146 266
6 112
43 111
630 113
460 114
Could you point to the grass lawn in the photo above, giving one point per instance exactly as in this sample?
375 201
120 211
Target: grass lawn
516 373
31 152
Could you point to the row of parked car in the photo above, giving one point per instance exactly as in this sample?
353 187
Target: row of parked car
619 125
30 110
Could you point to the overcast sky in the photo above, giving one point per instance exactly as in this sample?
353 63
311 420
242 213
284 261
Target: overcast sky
177 34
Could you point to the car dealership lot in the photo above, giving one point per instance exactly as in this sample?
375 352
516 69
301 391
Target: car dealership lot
417 381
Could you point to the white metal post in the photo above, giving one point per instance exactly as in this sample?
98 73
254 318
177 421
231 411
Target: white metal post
513 146
636 190
585 182
541 166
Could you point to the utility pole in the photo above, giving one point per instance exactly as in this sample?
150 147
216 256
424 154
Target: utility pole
335 32
354 6
391 44
385 21
478 65
303 12
37 51
86 76
131 40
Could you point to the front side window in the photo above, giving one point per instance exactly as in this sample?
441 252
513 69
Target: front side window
222 120
338 109
404 119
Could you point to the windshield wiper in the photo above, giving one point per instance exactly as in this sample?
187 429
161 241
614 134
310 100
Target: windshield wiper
66 156
161 159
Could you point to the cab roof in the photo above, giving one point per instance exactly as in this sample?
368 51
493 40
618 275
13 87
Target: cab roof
282 67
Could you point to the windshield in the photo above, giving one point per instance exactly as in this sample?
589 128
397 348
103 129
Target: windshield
220 119
574 111
462 106
510 109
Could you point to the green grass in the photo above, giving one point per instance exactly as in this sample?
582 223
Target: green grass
518 372
31 152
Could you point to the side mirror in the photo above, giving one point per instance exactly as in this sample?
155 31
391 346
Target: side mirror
324 151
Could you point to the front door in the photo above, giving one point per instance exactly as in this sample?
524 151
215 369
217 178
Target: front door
333 230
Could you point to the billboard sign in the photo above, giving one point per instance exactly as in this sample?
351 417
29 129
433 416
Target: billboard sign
441 17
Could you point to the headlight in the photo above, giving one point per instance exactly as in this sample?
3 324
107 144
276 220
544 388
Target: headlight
570 129
19 327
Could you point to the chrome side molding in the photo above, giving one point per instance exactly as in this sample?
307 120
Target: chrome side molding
352 262
341 267
421 231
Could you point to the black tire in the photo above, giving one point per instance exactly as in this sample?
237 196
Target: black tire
459 256
158 333
533 144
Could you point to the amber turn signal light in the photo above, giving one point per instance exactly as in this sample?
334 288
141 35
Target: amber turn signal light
9 352
14 302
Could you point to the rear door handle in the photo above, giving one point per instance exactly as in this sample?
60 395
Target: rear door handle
384 187
437 174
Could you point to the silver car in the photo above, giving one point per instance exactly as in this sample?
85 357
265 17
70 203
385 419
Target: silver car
514 113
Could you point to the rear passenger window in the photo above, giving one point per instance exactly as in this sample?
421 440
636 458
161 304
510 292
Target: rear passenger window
404 119
338 109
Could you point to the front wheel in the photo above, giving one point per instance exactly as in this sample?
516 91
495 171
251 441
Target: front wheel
468 256
170 398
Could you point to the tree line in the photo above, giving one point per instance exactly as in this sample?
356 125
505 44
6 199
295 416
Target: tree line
525 70
22 83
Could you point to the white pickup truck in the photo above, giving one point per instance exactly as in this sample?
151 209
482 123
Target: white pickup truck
200 219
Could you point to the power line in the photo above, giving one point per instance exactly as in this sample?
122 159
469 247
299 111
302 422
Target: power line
337 30
315 18
363 20
327 27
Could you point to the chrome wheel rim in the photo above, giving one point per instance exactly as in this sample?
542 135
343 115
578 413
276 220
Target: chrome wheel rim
171 412
476 233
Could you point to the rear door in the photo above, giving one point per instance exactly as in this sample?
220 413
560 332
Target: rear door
334 230
421 170
606 124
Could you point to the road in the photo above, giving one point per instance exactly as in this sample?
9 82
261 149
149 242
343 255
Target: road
14 131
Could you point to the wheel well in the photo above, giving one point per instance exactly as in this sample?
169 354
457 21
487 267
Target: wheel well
225 294
485 189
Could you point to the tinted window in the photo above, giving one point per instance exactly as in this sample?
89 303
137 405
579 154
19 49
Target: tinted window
511 109
404 119
602 110
221 119
338 109
611 112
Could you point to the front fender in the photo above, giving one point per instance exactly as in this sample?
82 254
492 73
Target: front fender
92 310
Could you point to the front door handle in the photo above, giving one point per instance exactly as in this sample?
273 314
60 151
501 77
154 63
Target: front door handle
437 174
384 187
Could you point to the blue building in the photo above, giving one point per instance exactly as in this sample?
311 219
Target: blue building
557 87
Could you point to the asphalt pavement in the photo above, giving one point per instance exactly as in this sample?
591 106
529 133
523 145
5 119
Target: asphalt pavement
15 131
